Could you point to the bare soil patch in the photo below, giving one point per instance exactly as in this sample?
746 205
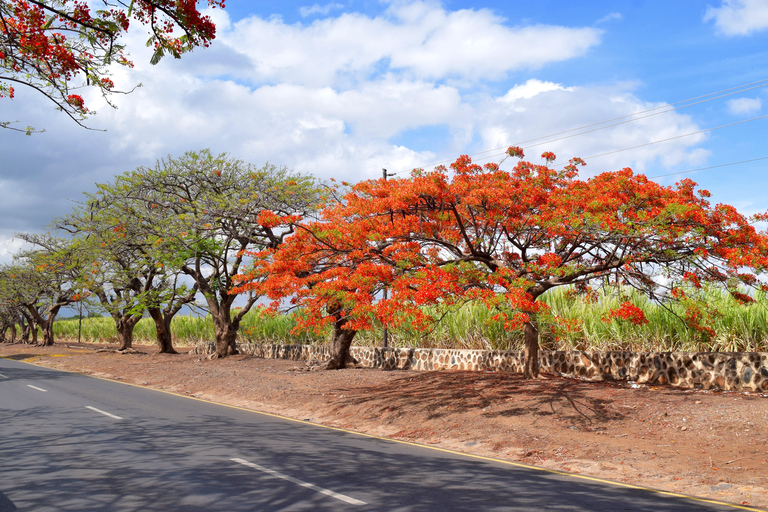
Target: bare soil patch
702 443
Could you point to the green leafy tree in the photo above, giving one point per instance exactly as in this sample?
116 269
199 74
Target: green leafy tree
125 267
43 280
11 312
208 210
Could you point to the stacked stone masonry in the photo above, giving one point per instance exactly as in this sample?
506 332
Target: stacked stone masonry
737 371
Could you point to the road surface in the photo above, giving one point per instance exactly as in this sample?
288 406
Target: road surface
70 442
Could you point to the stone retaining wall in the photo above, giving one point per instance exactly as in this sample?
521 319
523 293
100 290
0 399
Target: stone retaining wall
747 371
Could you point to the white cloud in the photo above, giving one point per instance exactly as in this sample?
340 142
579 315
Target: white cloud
610 17
744 105
739 17
530 89
9 246
420 39
332 98
319 9
544 121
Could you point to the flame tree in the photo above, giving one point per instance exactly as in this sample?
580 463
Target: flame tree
45 45
505 238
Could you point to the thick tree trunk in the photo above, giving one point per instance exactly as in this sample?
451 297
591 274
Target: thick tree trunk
226 338
531 357
340 343
125 332
163 328
47 329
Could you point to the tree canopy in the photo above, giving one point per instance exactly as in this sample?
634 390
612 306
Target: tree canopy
204 211
505 238
42 281
45 45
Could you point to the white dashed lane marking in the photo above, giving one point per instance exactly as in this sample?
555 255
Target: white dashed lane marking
37 388
302 483
105 413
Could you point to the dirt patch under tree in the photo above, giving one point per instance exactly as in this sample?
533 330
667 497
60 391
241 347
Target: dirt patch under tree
702 443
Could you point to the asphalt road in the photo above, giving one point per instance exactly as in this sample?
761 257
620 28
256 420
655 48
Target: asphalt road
69 442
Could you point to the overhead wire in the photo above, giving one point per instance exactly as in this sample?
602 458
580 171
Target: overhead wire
591 157
677 137
707 168
626 119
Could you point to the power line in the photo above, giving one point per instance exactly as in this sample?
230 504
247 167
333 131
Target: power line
707 168
742 88
676 137
682 104
655 141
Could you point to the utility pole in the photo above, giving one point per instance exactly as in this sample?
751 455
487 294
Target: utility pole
384 340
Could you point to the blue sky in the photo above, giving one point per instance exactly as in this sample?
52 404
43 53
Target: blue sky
344 88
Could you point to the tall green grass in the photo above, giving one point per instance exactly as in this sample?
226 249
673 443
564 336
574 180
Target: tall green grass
737 327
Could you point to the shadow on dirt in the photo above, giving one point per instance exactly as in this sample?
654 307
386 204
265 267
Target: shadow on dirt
497 394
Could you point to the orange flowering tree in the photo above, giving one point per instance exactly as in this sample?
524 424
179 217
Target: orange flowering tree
505 238
45 44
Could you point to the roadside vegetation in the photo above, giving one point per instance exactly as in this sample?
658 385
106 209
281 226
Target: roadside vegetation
463 257
738 327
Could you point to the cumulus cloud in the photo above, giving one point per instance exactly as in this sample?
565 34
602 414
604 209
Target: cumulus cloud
744 105
739 17
529 89
10 246
418 38
332 98
544 121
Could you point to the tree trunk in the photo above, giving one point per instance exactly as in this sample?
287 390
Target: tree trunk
125 332
531 358
226 336
47 329
25 332
163 328
340 343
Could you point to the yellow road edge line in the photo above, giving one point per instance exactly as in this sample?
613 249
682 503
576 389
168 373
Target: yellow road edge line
411 443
